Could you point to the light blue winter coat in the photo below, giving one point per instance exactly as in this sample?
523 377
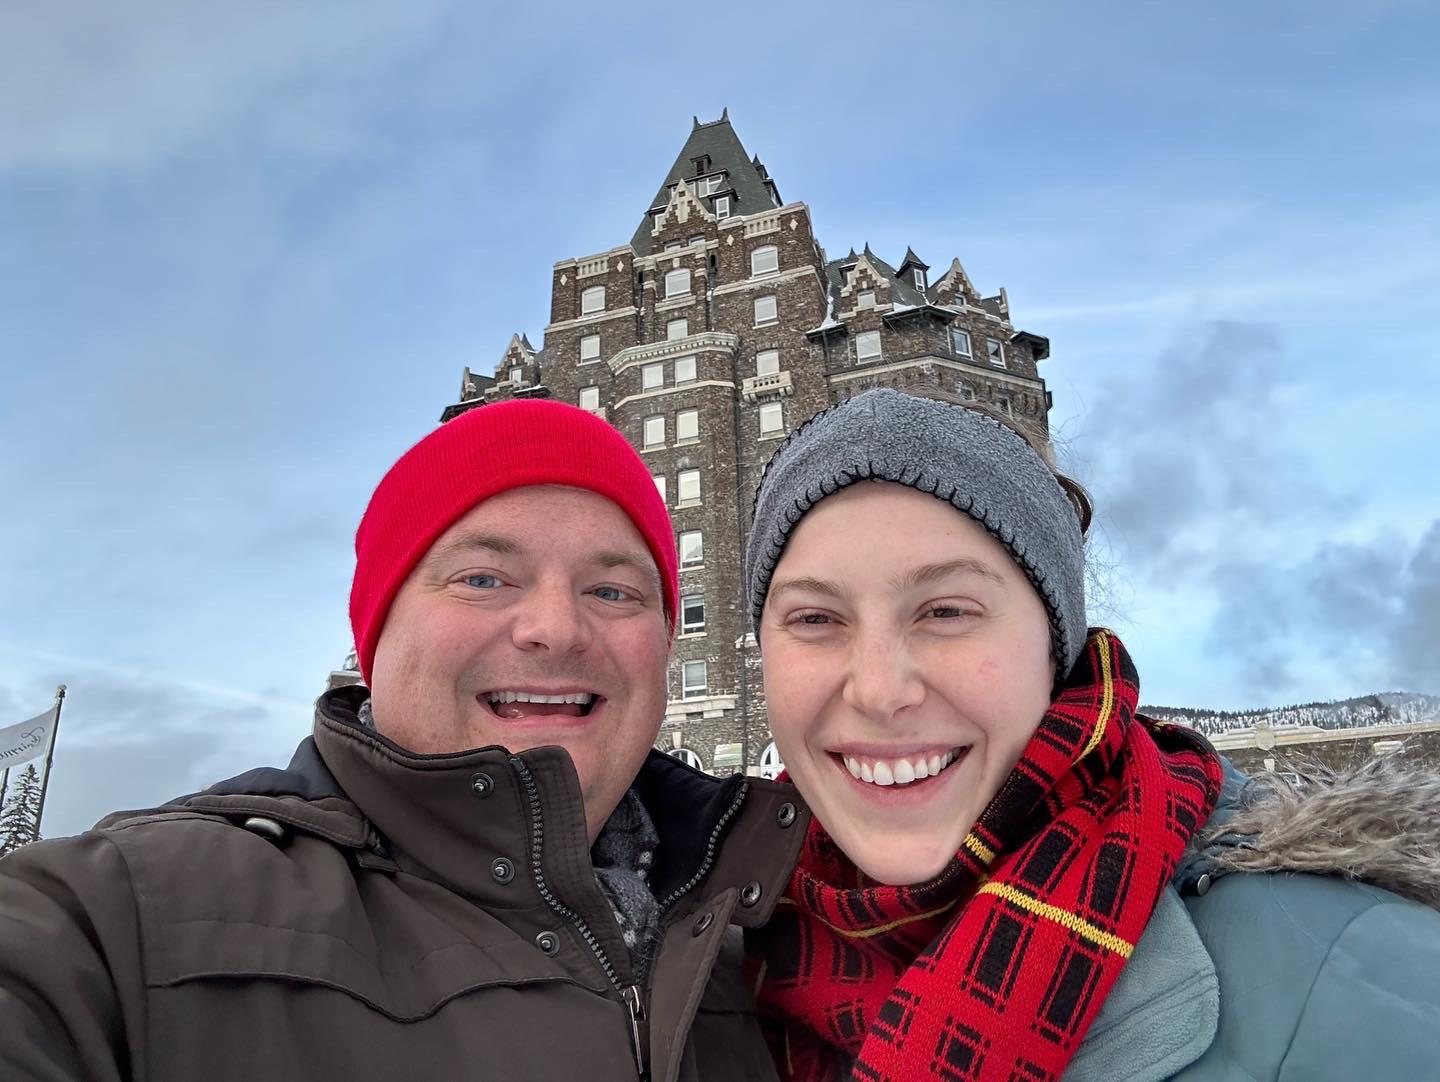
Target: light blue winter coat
1249 977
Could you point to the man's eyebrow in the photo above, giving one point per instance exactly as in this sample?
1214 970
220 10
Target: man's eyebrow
632 558
807 584
472 539
931 573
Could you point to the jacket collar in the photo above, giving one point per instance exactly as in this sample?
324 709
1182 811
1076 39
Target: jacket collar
1163 1011
451 817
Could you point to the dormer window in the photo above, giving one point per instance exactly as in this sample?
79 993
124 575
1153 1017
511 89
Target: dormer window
919 277
711 185
660 220
722 206
702 165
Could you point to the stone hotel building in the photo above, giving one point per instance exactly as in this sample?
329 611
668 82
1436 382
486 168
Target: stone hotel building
716 327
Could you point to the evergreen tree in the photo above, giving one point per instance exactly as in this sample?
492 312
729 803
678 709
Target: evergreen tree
22 808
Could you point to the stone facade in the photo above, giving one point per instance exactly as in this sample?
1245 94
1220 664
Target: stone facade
717 329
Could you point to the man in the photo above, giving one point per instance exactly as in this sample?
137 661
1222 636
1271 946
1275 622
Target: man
478 867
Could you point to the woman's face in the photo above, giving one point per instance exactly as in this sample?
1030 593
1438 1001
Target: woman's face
907 663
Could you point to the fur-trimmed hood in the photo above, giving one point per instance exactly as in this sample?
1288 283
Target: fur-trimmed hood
1378 822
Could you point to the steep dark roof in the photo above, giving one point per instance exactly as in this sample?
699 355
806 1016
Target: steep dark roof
745 178
912 260
901 290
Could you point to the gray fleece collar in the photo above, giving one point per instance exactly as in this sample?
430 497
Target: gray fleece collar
958 455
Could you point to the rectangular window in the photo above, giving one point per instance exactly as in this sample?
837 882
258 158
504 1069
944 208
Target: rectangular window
652 377
677 282
865 299
589 348
589 398
1002 403
660 220
867 346
659 480
694 680
714 184
772 418
673 245
692 549
684 369
687 426
654 432
960 342
722 206
692 614
592 301
698 238
919 279
677 328
996 350
764 260
967 392
767 362
688 489
764 310
517 375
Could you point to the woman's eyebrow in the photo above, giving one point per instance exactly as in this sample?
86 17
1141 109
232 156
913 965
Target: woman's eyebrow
807 584
931 573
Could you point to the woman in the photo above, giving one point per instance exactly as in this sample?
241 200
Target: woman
1007 875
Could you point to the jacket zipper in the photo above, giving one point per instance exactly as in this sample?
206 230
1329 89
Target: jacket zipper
629 994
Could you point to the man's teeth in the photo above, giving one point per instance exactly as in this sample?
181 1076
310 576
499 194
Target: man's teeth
579 698
898 771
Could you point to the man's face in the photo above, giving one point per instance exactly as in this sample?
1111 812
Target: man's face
536 619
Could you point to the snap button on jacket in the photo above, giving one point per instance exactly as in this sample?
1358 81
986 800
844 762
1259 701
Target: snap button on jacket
395 924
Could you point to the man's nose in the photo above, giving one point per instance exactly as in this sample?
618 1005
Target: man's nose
883 678
551 617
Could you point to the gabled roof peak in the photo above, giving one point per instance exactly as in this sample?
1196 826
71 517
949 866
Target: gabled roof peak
912 260
746 186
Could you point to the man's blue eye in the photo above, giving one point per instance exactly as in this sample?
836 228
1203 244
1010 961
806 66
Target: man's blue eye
610 593
482 582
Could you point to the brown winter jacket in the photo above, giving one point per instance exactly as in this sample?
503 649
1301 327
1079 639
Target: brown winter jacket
369 913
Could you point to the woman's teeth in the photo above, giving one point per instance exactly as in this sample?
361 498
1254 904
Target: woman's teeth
898 771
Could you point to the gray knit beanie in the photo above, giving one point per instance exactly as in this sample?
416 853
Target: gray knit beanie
961 456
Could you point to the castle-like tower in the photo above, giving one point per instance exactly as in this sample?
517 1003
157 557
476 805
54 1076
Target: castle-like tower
718 327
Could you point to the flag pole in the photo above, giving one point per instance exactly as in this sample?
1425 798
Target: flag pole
49 757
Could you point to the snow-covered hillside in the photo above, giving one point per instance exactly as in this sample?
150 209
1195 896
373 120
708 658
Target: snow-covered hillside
1385 708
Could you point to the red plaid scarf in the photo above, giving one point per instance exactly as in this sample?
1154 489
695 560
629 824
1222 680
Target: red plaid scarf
995 969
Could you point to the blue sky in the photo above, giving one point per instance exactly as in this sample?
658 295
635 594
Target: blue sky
246 252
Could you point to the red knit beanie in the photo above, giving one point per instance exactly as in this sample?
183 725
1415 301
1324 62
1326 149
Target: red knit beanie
481 453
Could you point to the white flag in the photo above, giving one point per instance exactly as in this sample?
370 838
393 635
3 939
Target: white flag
26 741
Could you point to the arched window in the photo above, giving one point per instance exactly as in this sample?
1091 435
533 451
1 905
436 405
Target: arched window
770 764
688 757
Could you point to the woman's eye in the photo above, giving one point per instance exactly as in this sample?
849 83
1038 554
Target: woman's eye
948 612
482 582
